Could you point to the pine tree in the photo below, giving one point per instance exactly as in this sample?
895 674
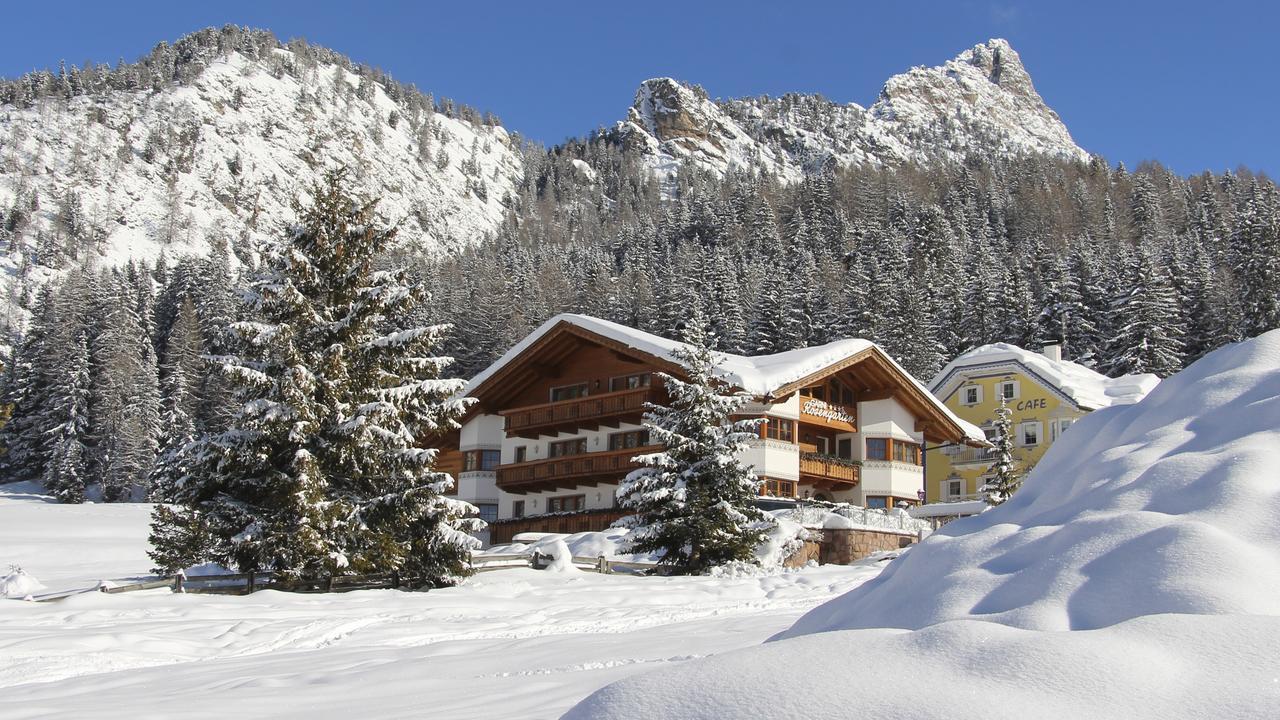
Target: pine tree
1148 332
1005 478
64 474
125 401
694 500
180 403
320 471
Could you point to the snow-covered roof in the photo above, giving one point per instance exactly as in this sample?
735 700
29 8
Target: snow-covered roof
1087 388
758 375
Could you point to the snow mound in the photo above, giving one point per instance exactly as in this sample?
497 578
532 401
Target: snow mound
561 557
1142 668
1166 506
18 584
1152 531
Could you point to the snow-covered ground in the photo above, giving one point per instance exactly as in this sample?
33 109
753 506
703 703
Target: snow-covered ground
508 644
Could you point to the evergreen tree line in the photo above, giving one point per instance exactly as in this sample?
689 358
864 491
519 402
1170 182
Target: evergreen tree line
1138 271
109 380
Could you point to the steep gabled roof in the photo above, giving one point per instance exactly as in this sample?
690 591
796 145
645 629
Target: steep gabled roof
1079 385
762 376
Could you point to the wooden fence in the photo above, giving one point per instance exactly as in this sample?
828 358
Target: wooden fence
501 532
246 583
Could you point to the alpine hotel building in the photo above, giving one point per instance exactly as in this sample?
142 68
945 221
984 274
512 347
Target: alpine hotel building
558 418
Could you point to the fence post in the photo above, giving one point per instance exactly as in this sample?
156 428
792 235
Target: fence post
250 585
178 578
328 583
602 565
395 579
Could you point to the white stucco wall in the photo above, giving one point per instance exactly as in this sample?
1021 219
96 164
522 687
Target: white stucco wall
481 432
774 458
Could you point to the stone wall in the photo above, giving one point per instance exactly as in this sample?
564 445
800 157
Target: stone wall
843 547
810 551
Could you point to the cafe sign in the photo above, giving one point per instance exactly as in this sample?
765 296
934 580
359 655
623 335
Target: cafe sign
826 411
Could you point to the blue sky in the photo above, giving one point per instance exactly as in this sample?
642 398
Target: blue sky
1193 85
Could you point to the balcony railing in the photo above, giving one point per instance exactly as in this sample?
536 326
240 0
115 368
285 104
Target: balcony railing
971 456
829 467
566 472
588 412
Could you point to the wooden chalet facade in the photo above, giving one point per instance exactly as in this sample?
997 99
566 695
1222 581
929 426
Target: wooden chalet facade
558 419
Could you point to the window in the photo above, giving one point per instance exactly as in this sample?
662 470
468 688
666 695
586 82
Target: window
971 395
488 511
844 448
780 488
517 508
878 502
779 429
1029 433
877 449
473 460
567 503
521 453
576 446
953 488
629 382
905 452
1057 428
628 440
1008 389
568 392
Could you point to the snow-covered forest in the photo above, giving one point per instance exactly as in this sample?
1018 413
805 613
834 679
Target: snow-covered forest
1132 271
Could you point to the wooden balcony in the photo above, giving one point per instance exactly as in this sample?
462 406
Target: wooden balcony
587 413
568 472
827 471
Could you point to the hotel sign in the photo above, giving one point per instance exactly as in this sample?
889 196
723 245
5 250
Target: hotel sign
826 411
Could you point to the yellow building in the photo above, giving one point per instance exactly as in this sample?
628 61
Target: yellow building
1045 393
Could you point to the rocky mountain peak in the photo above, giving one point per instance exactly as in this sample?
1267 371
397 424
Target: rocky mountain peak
982 101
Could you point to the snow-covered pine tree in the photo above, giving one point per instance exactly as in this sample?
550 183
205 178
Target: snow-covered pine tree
1149 335
125 400
695 501
181 371
64 474
1005 478
321 470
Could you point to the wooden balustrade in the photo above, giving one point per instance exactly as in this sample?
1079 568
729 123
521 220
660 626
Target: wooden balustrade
827 467
572 471
588 412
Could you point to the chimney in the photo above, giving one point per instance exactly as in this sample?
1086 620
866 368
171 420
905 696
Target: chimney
1053 352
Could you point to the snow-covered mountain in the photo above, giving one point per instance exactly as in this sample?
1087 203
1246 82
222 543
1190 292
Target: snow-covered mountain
213 137
981 102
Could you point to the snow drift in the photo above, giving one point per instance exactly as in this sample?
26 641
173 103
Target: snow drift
1153 529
